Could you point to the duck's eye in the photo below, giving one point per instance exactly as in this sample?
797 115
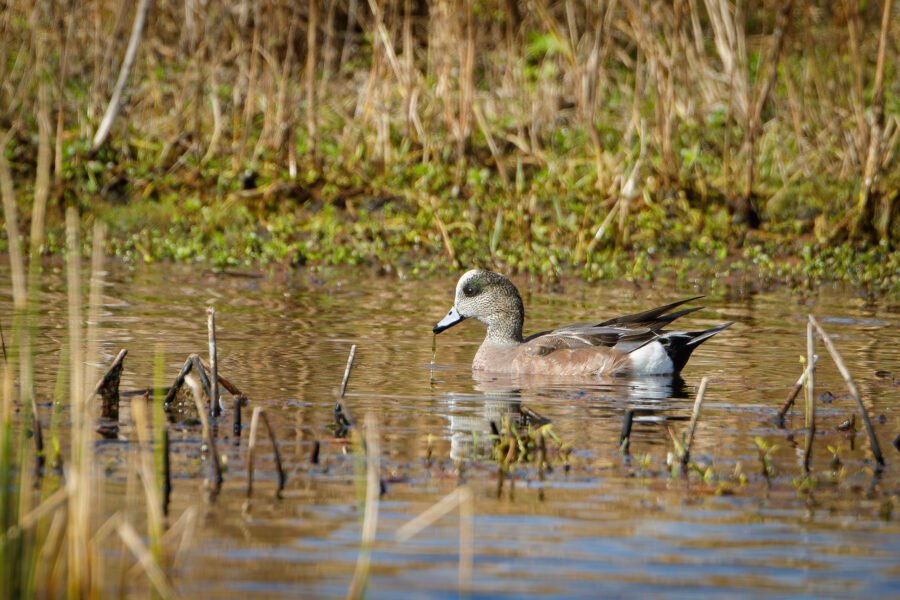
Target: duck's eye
469 291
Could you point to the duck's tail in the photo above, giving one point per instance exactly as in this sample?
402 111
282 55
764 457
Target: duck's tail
680 344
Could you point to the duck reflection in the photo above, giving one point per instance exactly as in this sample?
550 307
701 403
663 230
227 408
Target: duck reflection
476 420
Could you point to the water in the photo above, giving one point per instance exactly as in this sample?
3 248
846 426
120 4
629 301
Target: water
610 525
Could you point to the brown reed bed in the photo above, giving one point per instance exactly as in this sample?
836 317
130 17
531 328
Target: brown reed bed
575 117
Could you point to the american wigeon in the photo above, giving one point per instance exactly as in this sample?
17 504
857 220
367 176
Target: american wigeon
629 345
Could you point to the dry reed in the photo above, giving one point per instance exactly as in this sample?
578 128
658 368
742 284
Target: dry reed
372 450
864 408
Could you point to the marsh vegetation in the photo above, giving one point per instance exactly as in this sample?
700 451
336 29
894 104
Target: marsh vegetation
627 138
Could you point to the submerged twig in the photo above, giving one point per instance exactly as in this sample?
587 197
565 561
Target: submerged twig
625 436
166 470
3 342
237 427
851 387
695 416
314 453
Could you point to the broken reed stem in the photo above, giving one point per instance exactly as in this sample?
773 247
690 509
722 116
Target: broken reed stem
695 416
211 442
851 387
342 416
260 415
370 515
179 381
225 383
202 376
795 391
810 397
347 370
108 388
251 449
215 409
275 451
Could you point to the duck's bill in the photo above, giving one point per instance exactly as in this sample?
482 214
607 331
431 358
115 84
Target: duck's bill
452 318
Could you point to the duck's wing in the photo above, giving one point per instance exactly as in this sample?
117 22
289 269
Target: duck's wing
655 318
626 333
587 335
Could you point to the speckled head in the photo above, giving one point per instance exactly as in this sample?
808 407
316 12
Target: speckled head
492 299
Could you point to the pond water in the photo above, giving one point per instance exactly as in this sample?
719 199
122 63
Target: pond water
608 524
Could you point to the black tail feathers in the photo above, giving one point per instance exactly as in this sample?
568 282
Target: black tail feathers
680 344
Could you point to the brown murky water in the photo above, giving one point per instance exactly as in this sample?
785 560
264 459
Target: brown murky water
610 525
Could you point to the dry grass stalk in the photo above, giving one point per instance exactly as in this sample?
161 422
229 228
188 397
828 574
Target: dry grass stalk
10 217
492 145
48 559
372 451
350 359
42 178
154 500
462 499
215 408
864 407
112 109
30 519
311 60
78 480
156 575
810 396
211 443
442 228
875 152
695 417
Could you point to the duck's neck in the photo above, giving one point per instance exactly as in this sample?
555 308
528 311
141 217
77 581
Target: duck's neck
506 331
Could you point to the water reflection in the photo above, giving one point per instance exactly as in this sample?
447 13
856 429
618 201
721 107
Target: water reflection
610 525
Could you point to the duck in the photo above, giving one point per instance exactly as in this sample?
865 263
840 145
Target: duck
630 345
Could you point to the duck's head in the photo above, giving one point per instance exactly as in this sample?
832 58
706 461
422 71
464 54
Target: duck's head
492 299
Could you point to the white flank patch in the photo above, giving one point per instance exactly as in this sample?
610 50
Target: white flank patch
651 360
